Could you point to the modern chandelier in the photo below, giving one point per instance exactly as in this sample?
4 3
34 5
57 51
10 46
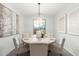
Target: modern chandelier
39 18
39 9
39 22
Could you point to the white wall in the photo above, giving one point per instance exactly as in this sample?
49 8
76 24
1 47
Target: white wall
6 43
72 41
50 24
28 23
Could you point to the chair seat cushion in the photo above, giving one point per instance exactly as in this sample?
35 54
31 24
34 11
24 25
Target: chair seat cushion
55 47
22 48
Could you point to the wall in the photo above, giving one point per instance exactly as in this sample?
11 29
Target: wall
6 43
28 23
72 41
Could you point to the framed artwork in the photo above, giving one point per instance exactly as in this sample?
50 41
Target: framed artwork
61 24
8 22
73 22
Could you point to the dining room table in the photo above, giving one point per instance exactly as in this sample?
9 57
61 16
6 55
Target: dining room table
38 46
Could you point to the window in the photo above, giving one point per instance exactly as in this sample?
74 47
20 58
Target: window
8 22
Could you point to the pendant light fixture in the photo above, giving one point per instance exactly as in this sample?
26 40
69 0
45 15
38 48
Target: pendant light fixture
39 19
39 9
39 22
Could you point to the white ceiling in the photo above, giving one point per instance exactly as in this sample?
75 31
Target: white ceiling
45 8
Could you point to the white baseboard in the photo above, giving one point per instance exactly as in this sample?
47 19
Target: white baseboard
70 52
9 51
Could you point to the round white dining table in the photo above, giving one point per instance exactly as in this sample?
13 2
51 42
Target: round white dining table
39 47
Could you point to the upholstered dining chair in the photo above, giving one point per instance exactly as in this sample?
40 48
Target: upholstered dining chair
26 35
56 47
49 35
20 48
38 34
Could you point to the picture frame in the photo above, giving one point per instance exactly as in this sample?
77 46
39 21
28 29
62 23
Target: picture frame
61 24
73 22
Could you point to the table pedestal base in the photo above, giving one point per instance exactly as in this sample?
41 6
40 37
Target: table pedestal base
38 49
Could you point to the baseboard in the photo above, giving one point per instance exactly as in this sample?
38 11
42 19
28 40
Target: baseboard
70 52
12 51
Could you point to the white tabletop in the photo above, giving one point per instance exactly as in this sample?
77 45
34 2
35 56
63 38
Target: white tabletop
39 41
38 47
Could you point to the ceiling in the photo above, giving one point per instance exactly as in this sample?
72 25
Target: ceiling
45 8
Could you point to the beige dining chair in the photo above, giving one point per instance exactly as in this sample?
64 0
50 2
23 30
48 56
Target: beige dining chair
20 48
49 35
38 34
56 47
26 35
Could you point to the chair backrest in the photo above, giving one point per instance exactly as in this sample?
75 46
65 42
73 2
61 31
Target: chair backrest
38 34
46 35
26 35
16 43
49 35
63 41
